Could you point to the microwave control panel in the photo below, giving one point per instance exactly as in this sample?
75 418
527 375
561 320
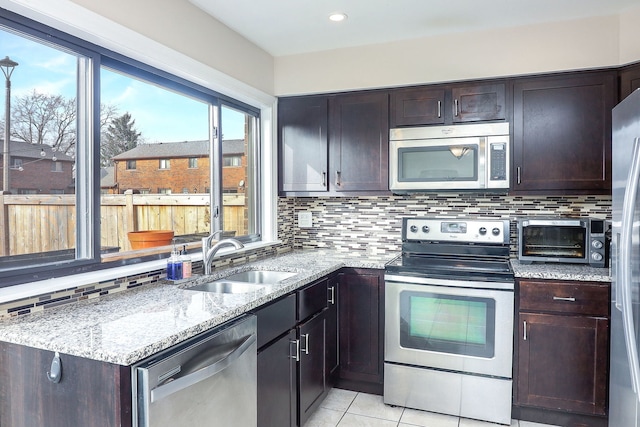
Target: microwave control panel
498 161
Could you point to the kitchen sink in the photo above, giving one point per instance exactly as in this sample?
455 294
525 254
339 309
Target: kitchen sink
242 283
226 287
260 276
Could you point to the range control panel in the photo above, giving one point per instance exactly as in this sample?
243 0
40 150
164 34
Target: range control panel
455 230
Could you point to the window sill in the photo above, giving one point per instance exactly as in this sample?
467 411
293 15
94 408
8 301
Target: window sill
30 290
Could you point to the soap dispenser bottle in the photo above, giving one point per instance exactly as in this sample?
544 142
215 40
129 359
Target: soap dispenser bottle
186 263
174 266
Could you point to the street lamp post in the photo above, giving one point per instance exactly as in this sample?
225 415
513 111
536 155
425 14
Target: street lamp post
7 66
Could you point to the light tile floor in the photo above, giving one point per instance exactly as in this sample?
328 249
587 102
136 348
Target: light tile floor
344 408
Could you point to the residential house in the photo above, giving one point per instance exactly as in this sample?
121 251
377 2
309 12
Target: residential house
37 169
177 167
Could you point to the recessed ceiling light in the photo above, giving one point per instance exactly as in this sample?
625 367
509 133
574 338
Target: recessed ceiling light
337 17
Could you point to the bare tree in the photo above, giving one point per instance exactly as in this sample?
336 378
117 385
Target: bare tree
51 119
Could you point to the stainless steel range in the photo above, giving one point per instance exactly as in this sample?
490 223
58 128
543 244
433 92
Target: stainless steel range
449 301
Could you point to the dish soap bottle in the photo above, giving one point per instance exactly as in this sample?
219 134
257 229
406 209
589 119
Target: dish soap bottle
174 266
186 263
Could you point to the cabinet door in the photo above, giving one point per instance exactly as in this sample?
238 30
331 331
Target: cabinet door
302 143
562 134
629 80
481 102
311 367
89 394
332 331
361 327
420 106
562 362
277 396
359 142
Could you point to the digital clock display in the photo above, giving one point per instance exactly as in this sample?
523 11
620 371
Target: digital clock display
453 227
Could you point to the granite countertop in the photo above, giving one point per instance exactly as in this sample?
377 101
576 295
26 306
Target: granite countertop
579 272
126 327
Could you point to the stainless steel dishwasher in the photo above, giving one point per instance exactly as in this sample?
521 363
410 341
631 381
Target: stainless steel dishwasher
208 380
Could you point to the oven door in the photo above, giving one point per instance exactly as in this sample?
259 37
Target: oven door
446 325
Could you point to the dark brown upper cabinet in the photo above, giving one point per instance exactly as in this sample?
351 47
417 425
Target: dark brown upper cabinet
629 80
562 133
334 144
434 105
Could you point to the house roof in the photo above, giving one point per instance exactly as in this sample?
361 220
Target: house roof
26 150
107 177
179 149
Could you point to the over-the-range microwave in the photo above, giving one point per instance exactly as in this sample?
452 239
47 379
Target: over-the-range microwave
458 157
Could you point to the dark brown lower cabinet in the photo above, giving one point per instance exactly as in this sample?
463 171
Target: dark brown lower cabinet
562 352
277 388
312 387
361 329
89 394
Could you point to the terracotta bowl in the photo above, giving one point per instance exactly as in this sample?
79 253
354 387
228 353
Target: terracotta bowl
149 238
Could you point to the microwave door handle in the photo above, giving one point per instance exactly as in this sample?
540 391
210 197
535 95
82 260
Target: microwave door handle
623 280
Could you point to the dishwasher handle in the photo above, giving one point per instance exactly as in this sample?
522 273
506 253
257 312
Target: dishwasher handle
208 371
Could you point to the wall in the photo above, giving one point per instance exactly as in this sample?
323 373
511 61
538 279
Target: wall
372 224
182 26
529 49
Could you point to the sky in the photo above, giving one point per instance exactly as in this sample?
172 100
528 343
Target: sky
160 115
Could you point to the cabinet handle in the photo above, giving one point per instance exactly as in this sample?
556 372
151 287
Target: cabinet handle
439 109
296 355
571 299
332 295
338 178
306 343
324 179
455 108
525 330
518 175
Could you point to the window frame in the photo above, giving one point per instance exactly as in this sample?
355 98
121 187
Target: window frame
88 192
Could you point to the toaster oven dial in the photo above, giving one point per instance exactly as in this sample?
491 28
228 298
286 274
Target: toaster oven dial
597 244
596 256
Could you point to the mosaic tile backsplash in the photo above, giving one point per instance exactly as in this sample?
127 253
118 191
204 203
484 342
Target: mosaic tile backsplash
364 224
373 224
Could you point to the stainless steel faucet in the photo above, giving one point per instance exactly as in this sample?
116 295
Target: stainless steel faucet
208 252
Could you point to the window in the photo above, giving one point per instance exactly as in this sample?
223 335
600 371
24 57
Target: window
142 113
232 161
16 163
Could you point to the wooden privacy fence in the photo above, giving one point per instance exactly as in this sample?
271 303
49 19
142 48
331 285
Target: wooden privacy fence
43 223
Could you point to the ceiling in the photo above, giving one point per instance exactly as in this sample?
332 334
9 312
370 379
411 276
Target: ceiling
286 27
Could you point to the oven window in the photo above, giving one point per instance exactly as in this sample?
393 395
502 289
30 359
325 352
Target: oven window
448 324
439 163
554 241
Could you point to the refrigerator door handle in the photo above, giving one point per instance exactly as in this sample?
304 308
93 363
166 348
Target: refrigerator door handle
624 272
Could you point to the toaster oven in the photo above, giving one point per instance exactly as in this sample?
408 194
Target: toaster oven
563 240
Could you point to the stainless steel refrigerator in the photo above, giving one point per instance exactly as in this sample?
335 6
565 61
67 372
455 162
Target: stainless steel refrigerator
624 390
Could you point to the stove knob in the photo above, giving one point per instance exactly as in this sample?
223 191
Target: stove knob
495 231
413 229
483 231
425 229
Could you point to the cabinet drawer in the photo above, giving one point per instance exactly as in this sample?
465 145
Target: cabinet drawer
585 298
276 319
312 299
